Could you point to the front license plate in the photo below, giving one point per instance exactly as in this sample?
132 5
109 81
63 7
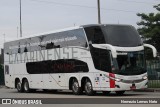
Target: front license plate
133 87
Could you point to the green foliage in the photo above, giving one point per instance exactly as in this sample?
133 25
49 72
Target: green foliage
149 27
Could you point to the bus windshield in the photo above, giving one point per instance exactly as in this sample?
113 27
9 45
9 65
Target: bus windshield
122 35
131 63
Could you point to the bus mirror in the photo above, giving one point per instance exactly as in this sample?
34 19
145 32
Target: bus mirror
90 42
153 49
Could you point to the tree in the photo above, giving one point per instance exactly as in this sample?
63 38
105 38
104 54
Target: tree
149 27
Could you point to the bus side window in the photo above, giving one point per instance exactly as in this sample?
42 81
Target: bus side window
101 59
6 69
95 35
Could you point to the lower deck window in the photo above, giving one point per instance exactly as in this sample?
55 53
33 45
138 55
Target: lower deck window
57 66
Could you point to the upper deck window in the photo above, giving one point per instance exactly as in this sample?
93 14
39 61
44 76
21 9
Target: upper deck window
95 35
75 37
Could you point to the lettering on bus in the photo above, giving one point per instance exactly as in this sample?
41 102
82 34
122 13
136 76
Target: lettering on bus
51 41
42 55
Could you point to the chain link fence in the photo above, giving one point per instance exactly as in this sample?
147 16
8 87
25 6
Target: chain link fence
153 69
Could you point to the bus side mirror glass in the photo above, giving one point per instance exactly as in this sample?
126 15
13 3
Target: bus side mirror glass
149 54
90 44
153 49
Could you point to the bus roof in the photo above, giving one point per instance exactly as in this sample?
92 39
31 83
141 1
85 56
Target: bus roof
45 33
65 29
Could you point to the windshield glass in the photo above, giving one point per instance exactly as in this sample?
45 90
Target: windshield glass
122 35
131 63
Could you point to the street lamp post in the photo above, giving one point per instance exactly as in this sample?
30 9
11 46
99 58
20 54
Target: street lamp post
4 36
99 12
20 19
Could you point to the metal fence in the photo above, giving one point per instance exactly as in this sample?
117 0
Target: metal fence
153 69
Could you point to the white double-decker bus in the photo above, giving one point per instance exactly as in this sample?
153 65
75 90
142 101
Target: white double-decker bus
86 59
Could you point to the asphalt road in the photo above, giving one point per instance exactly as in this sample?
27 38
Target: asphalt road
12 93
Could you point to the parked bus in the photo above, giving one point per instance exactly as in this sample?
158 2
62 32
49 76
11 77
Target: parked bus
88 58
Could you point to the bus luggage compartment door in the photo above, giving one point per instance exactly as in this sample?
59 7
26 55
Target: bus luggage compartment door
61 80
104 80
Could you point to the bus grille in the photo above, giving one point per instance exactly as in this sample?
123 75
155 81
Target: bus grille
132 81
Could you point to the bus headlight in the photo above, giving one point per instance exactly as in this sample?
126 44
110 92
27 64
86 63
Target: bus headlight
145 77
117 79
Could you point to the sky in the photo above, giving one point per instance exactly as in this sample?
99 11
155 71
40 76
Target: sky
40 16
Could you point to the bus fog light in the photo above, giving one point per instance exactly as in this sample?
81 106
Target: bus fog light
117 86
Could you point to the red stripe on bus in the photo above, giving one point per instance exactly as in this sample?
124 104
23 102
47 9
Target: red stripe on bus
112 82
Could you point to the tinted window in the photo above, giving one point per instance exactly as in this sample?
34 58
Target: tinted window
54 40
95 35
57 66
6 69
125 36
101 59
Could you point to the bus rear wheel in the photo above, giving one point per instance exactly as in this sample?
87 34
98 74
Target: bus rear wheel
19 86
120 92
26 86
75 87
88 88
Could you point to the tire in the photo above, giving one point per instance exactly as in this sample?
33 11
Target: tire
26 86
106 92
19 86
120 92
75 88
88 88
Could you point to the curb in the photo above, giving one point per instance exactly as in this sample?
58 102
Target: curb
148 90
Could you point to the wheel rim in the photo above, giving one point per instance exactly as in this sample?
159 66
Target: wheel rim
88 87
26 86
19 86
75 86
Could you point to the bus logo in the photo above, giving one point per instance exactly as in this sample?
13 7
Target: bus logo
6 101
